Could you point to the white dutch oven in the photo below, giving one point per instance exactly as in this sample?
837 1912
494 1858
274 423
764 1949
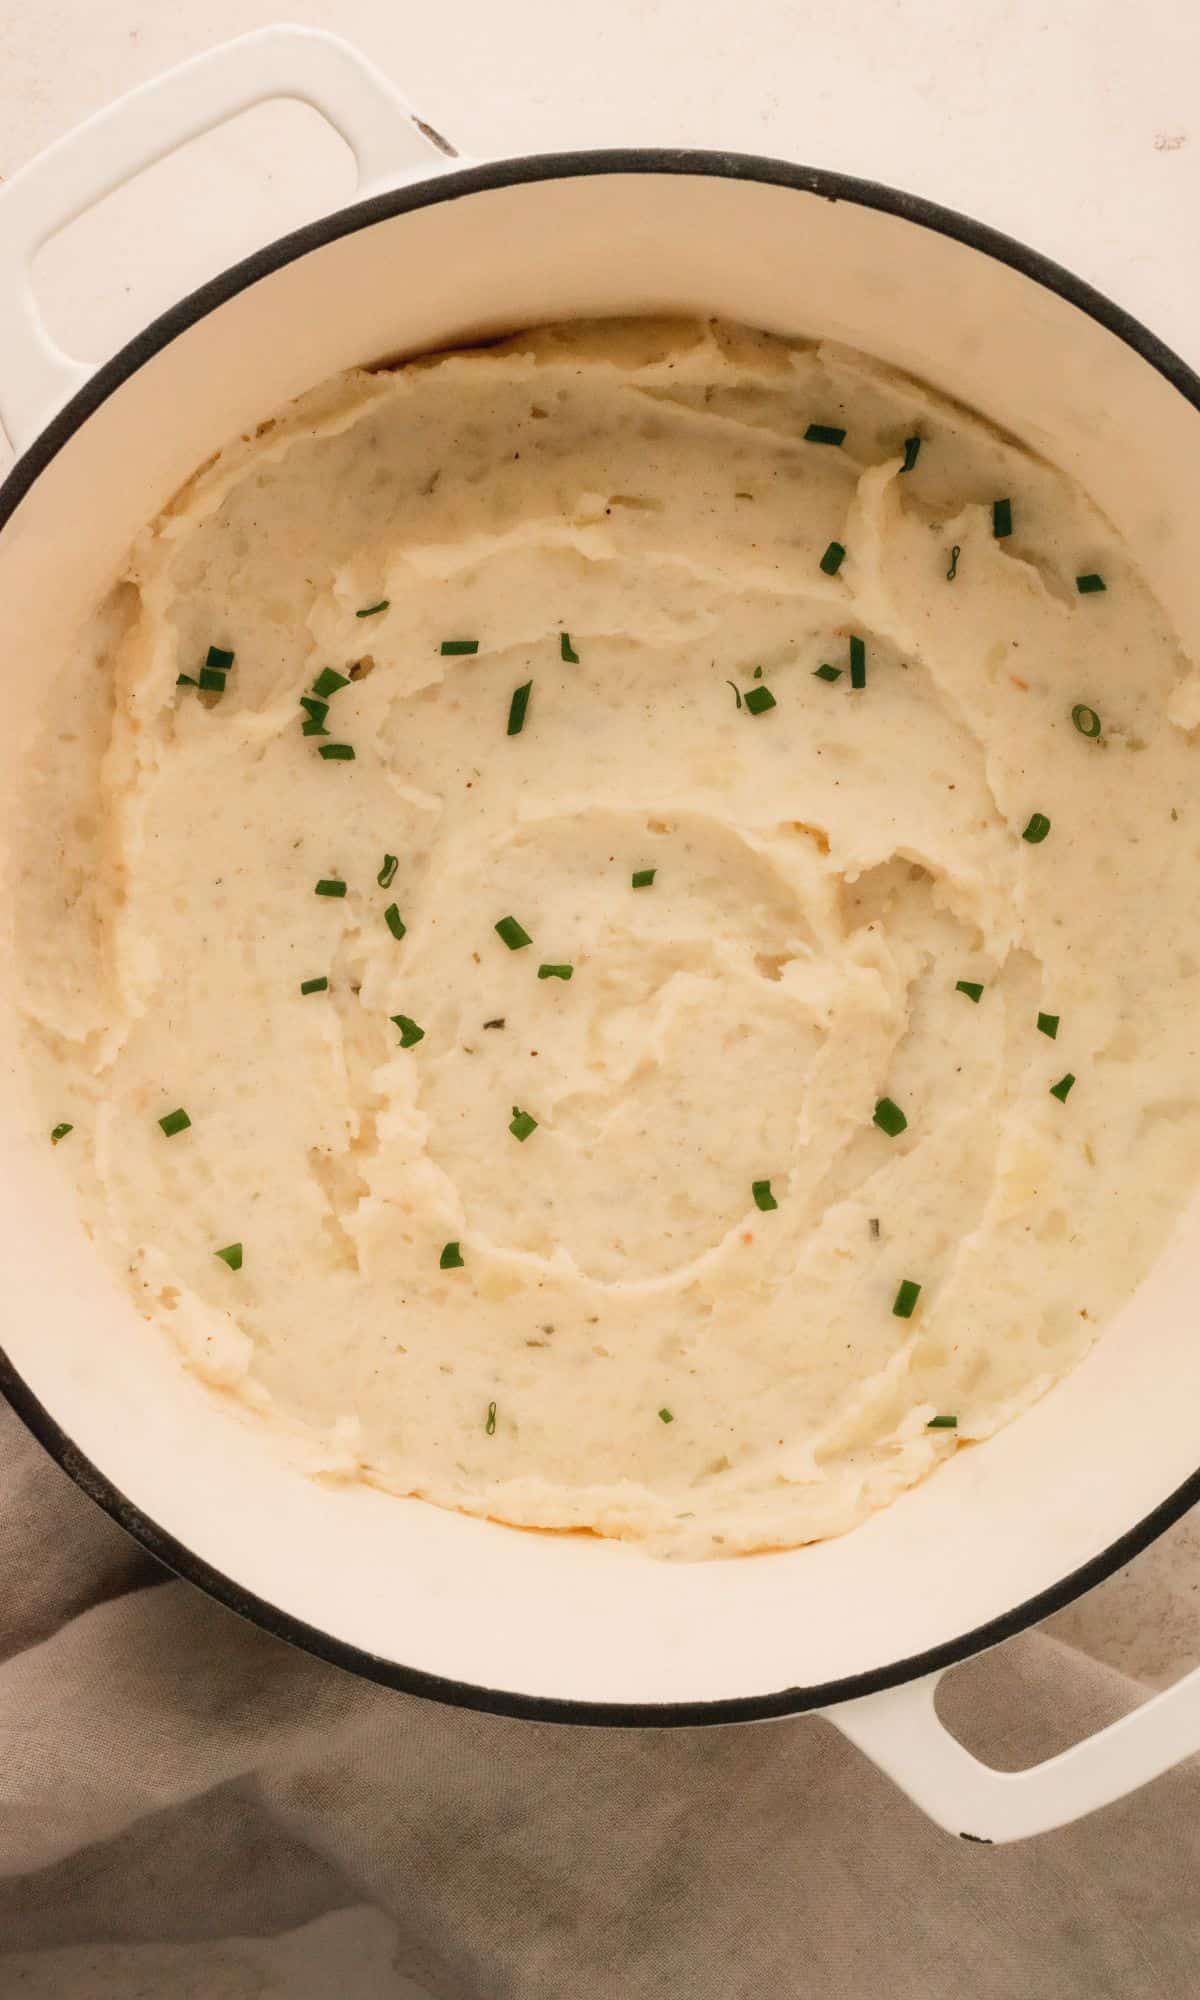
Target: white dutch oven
565 1627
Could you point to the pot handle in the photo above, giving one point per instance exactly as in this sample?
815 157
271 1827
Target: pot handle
387 139
899 1730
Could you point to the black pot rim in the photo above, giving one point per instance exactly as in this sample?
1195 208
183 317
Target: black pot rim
29 467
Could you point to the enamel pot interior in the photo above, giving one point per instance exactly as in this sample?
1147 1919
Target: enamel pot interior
467 1609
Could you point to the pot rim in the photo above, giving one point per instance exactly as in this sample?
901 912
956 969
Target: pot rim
109 377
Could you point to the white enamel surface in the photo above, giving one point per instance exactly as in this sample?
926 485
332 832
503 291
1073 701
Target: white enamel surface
574 1618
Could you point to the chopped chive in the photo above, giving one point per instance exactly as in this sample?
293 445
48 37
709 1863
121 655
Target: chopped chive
450 646
231 1255
211 681
1048 1025
1001 519
1063 1088
410 1034
320 985
1085 585
328 681
763 1198
60 1132
451 1258
394 921
971 987
758 700
490 1426
329 885
517 707
906 1298
824 434
912 448
952 572
737 693
175 1121
555 971
942 1424
827 673
219 657
315 710
186 681
521 1124
1086 720
890 1118
758 673
311 728
370 610
665 1416
643 877
514 936
568 651
387 873
833 558
858 663
337 753
1037 829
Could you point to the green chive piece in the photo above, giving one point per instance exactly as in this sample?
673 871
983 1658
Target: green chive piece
387 873
394 921
451 646
643 877
186 681
890 1118
316 711
1001 519
858 663
514 936
1086 585
1086 720
175 1121
329 885
315 985
568 651
451 1258
906 1298
763 1198
833 558
328 681
556 971
60 1132
1037 829
337 753
211 681
971 987
758 700
758 673
231 1255
665 1416
952 572
490 1426
737 693
942 1424
1063 1088
824 434
311 728
827 673
1048 1025
371 610
912 447
521 1124
219 657
517 707
410 1034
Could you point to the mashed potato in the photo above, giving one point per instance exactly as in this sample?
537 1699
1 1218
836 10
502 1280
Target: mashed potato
660 931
